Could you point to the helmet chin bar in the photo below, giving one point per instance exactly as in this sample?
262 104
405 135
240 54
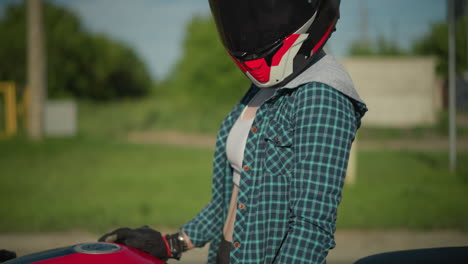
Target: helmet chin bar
263 75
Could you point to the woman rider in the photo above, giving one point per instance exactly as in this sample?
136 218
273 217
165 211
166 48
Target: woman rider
282 152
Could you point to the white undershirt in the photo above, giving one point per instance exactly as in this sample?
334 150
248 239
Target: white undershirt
237 137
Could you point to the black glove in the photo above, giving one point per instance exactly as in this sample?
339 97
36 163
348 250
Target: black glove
6 255
149 241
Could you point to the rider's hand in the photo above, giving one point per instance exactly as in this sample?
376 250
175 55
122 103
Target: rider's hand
149 241
6 255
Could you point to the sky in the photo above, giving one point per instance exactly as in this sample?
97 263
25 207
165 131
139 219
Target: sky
156 28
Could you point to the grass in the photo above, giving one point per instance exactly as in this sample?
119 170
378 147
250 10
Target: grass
92 185
413 190
95 185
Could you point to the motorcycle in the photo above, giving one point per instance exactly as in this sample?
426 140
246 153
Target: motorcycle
89 253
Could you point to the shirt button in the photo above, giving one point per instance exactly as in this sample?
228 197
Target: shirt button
246 168
241 206
236 244
254 129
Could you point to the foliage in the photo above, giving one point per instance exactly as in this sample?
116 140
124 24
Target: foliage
149 114
79 63
206 79
94 185
359 48
162 114
381 47
435 42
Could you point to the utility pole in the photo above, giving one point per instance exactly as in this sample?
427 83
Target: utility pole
37 82
452 87
465 15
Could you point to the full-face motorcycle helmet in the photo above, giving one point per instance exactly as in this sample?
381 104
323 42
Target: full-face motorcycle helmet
272 41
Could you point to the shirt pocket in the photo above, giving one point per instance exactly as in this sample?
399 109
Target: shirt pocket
279 149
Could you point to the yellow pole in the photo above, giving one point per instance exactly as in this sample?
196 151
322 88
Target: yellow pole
9 91
12 124
2 90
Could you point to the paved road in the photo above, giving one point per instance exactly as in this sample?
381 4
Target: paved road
351 245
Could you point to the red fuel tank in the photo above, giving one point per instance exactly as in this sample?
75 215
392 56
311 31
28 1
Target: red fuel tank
89 253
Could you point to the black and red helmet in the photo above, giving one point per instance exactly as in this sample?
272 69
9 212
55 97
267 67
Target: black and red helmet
273 41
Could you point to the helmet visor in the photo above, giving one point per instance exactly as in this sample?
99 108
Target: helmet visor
254 26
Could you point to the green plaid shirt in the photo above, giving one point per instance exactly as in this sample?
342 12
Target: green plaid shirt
295 163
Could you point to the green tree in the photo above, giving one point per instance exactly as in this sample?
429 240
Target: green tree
380 47
206 77
359 48
79 63
435 43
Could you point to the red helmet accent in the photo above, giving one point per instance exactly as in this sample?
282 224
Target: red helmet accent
287 44
259 69
324 38
239 64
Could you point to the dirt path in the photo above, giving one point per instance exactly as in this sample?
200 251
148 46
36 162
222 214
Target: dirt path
173 138
429 144
208 141
351 244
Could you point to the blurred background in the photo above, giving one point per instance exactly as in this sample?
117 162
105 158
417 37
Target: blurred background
109 110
